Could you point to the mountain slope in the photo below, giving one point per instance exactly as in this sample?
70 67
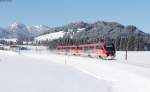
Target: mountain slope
38 30
50 36
122 36
19 31
3 33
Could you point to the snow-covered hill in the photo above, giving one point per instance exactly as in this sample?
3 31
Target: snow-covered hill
50 36
38 30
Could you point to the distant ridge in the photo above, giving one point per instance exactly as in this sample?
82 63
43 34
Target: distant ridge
82 32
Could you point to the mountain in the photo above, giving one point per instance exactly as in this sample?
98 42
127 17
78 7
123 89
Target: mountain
3 33
19 31
124 37
81 33
22 32
38 30
97 30
112 30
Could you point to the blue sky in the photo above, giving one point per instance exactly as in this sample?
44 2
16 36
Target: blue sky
61 12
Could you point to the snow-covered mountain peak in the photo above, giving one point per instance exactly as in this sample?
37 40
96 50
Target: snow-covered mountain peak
17 25
14 25
19 31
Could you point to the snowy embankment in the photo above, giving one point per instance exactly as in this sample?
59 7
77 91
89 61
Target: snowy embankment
21 72
122 76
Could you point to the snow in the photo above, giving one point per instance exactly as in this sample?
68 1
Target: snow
81 29
38 27
36 31
10 40
14 25
20 73
46 71
50 36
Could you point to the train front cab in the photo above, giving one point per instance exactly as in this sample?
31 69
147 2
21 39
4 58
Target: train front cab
110 51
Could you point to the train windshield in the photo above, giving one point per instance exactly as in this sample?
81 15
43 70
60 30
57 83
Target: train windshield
110 47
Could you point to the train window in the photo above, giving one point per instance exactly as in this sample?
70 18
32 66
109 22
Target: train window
110 47
86 48
98 47
91 47
80 48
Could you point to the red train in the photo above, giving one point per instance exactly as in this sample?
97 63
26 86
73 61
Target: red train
101 50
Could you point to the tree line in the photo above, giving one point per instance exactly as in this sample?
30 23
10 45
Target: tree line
122 43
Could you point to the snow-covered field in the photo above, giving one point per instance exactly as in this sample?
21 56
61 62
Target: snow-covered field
43 71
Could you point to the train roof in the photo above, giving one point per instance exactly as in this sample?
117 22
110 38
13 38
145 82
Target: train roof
83 45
